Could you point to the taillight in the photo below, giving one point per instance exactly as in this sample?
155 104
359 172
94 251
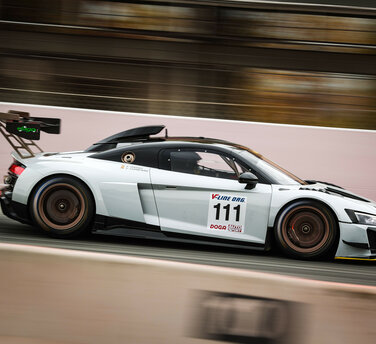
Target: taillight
17 168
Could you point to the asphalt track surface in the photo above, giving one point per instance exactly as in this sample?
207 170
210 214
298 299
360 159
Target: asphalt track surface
353 272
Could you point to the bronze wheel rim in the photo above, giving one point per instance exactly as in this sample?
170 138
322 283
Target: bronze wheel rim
61 206
305 229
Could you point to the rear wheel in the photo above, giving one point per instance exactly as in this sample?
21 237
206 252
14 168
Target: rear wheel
307 230
62 206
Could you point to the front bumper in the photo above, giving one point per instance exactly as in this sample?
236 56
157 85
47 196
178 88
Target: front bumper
356 242
13 210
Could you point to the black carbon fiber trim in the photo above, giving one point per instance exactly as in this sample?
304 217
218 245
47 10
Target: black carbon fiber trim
371 233
356 244
15 211
102 222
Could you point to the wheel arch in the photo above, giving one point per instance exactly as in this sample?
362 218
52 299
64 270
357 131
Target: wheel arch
57 175
326 205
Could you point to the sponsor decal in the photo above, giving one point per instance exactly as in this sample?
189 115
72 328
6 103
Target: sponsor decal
220 227
220 197
137 168
134 168
235 228
227 212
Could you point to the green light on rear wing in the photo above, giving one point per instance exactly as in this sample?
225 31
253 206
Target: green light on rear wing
30 131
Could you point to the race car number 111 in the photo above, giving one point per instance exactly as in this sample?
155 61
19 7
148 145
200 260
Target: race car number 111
227 212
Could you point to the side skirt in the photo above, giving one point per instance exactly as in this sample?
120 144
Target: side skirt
120 227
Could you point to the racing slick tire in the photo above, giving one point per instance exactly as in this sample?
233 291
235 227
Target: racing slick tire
63 207
307 230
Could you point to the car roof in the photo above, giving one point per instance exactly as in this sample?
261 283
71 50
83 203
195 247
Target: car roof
190 142
141 136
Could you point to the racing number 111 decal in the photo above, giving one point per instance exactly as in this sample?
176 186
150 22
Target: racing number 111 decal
227 212
227 208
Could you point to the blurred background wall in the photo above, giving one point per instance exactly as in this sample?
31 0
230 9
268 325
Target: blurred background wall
245 60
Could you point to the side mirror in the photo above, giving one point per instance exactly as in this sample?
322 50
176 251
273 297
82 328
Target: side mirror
248 178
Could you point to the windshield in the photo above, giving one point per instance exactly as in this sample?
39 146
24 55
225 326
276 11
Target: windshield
269 168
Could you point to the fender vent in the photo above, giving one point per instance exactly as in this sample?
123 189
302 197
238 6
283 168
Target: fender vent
313 189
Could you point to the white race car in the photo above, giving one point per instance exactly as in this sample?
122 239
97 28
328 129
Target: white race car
191 189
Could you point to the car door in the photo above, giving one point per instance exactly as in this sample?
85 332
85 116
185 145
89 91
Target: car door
197 193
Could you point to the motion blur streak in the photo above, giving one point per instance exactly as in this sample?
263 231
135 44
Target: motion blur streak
82 297
249 60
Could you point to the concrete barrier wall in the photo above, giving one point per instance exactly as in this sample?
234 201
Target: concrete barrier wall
341 156
60 296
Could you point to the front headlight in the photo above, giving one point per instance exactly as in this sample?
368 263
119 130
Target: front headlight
361 218
366 219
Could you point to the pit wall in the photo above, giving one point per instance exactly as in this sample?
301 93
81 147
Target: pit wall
345 157
60 296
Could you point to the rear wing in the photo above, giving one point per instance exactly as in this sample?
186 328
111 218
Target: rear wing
21 130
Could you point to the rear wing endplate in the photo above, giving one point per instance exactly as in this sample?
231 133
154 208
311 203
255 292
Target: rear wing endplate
21 130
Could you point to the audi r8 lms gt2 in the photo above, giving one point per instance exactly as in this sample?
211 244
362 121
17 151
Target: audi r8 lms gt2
190 189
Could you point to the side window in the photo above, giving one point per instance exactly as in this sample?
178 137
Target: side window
203 163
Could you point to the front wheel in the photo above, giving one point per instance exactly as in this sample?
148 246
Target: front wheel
62 206
307 230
